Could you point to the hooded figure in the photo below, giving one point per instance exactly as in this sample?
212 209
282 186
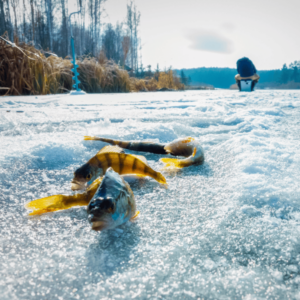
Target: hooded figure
246 70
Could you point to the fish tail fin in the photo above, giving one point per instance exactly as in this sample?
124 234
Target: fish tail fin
44 205
160 178
148 171
91 138
172 163
55 203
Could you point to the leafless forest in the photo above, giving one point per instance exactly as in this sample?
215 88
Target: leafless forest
45 25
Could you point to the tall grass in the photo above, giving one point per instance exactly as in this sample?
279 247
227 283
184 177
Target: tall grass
24 70
166 80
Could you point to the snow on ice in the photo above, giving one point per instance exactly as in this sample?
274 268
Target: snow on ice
228 229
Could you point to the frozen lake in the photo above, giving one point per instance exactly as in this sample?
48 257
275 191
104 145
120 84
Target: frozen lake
229 229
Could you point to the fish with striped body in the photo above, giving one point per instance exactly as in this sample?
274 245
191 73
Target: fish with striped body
187 147
113 203
112 156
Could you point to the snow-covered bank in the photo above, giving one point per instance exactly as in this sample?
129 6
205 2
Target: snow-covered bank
226 229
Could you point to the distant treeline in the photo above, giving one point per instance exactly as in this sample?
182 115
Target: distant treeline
224 77
45 25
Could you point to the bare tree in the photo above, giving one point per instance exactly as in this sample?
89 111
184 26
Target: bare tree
64 28
126 46
133 21
136 23
45 23
32 20
15 4
2 16
130 30
49 22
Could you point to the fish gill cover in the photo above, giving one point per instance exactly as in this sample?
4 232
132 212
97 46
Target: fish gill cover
226 229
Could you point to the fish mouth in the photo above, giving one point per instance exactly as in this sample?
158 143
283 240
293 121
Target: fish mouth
96 224
76 185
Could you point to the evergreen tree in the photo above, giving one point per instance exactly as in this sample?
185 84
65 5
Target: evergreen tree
295 74
284 74
183 78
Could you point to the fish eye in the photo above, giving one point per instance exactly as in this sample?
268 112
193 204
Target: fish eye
88 177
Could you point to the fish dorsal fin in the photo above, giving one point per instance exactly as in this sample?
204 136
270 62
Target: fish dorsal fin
111 149
187 140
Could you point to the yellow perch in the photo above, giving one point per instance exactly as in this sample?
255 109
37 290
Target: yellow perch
187 147
60 202
113 203
120 162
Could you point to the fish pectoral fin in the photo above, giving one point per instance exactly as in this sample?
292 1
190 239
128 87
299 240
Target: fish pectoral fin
55 203
171 163
45 205
135 216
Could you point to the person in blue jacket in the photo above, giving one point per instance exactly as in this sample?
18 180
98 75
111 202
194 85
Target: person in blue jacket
246 70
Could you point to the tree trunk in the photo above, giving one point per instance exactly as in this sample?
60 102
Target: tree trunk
49 21
9 26
96 26
24 22
82 41
14 6
2 18
64 34
32 20
92 25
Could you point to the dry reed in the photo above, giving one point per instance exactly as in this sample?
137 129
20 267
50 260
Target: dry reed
25 70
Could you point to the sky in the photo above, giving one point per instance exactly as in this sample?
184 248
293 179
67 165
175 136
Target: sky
215 33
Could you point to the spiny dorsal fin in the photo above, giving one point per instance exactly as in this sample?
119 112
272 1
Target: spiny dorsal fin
111 149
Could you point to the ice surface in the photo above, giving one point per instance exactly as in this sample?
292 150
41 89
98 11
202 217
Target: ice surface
229 229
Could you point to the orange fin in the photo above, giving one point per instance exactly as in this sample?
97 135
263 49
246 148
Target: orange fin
90 138
135 216
195 151
171 163
187 140
56 202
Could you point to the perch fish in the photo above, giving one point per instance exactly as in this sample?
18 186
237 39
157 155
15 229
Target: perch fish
113 156
187 147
